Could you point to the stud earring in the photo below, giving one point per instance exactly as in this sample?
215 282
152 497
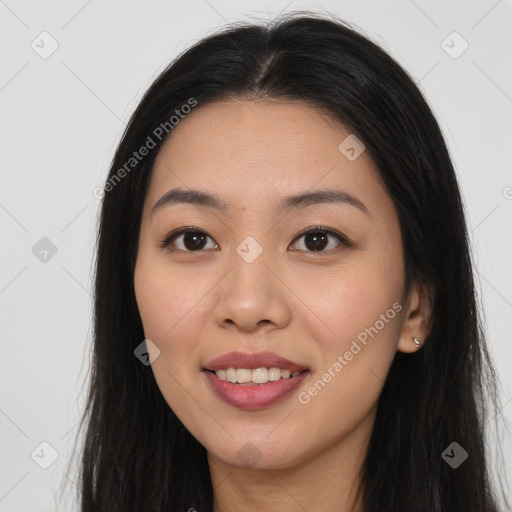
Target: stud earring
417 342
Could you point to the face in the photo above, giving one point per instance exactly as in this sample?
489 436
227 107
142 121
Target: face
211 281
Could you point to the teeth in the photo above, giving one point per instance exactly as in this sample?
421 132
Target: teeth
256 376
230 375
259 375
274 374
243 375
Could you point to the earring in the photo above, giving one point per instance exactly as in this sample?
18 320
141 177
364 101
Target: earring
417 342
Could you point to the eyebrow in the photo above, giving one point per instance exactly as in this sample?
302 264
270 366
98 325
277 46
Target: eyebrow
302 200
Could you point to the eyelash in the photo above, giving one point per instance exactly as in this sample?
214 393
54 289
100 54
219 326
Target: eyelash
313 229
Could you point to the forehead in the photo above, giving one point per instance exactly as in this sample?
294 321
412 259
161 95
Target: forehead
247 151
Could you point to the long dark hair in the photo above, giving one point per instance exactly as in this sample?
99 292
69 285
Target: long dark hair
136 454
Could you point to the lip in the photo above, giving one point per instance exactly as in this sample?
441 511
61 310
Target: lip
257 396
252 361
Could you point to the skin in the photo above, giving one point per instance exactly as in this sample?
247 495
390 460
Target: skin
304 305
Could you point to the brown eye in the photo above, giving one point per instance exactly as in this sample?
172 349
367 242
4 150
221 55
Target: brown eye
188 240
316 239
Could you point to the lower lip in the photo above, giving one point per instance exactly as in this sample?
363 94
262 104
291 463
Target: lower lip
255 396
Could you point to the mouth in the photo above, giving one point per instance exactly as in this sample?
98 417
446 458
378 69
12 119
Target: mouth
256 376
253 381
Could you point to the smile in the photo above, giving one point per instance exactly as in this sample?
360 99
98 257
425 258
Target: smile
253 381
254 396
247 376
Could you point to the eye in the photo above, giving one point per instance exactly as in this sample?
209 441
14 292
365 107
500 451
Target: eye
193 240
316 239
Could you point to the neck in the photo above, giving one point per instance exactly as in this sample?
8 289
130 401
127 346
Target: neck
327 481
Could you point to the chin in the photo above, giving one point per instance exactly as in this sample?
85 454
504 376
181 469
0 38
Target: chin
251 454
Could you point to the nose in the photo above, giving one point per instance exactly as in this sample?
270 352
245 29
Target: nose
252 296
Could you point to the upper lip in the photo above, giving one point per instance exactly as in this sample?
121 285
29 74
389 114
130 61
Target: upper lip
252 361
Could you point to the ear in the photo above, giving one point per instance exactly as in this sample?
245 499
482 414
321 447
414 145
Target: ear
417 319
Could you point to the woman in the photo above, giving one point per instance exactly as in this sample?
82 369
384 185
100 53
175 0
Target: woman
285 312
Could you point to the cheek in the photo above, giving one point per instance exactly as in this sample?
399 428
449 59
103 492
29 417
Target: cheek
349 301
164 295
168 317
168 306
361 309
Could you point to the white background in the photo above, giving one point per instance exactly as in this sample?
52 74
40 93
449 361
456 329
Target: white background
63 116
